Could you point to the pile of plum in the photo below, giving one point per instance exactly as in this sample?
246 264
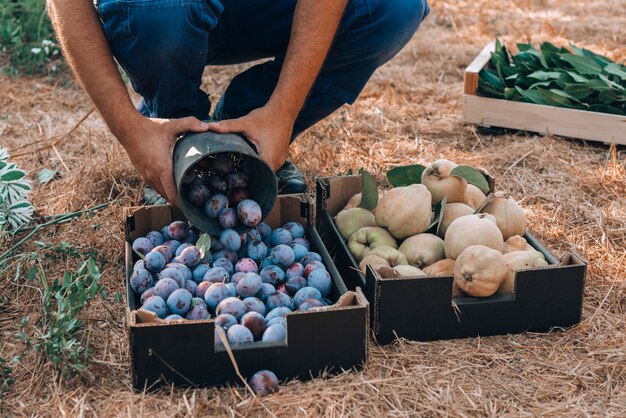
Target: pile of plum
247 282
222 191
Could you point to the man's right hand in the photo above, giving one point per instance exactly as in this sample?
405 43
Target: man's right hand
150 144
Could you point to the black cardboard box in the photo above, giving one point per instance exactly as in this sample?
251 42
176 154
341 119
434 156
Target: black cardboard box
326 339
423 309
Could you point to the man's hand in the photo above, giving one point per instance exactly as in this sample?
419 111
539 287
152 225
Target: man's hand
267 128
150 143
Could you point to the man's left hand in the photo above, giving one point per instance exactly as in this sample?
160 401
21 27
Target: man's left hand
267 128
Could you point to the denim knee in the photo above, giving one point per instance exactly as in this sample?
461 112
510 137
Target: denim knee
394 22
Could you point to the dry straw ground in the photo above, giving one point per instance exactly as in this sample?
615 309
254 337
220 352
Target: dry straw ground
410 112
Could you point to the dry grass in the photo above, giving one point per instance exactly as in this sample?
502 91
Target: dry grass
410 112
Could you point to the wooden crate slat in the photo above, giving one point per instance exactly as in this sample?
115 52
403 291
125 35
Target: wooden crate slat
470 81
544 119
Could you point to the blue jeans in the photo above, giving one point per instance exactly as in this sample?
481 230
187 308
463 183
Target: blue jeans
164 45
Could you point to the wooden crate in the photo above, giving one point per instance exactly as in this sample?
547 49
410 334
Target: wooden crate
548 120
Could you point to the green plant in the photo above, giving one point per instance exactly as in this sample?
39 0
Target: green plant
27 38
574 79
15 209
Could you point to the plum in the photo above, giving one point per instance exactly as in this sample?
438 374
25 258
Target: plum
166 235
266 290
294 284
157 305
227 218
302 241
249 285
142 245
242 253
191 286
141 280
202 288
191 238
296 229
254 304
273 275
265 231
138 265
294 270
257 250
310 256
299 251
225 321
197 274
231 305
222 164
275 332
198 194
283 255
230 239
237 276
246 265
309 304
238 334
229 255
255 322
165 287
279 312
164 250
217 184
154 262
179 301
173 245
232 287
173 273
249 212
280 236
216 245
177 230
149 292
313 265
253 235
173 317
268 261
237 195
279 299
320 279
264 382
214 205
226 264
190 257
306 293
216 293
237 179
197 311
156 238
216 275
277 320
183 246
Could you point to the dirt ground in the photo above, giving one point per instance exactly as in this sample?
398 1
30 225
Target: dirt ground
410 112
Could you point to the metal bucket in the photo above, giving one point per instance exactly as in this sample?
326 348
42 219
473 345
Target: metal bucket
193 148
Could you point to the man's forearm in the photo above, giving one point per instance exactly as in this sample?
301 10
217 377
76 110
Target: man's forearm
314 26
86 49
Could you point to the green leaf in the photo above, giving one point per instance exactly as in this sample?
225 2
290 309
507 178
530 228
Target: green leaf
583 65
439 213
511 94
472 176
554 99
611 83
615 70
540 84
13 175
531 96
545 75
405 175
369 192
603 108
203 244
46 175
577 77
584 90
32 274
525 47
565 95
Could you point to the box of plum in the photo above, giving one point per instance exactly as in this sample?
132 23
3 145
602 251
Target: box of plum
272 298
440 255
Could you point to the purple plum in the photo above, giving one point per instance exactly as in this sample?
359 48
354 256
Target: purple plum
296 229
173 317
141 280
179 301
238 334
148 293
227 218
255 322
294 284
254 304
237 195
230 239
156 238
294 270
280 299
166 235
246 265
177 230
198 194
199 271
283 255
190 257
265 231
232 287
306 293
202 288
225 321
216 293
279 312
273 275
277 320
154 262
191 286
217 184
164 250
269 261
231 305
181 248
313 265
249 212
236 277
275 332
249 285
165 287
320 279
257 250
224 263
191 238
263 383
214 205
173 246
299 251
142 245
310 256
266 290
237 179
222 164
280 236
216 275
302 241
173 273
157 305
310 304
229 255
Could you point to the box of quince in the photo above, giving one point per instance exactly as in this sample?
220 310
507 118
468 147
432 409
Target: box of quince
443 254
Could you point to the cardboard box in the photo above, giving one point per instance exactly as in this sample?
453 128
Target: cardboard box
183 353
423 309
547 120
